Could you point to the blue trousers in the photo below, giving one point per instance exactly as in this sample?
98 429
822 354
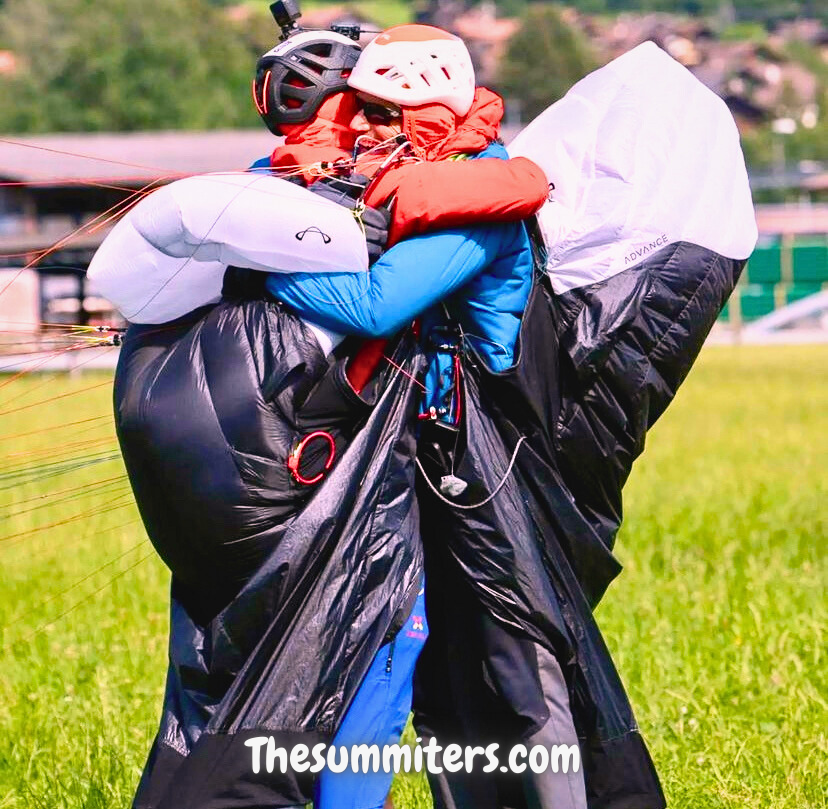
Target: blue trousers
377 715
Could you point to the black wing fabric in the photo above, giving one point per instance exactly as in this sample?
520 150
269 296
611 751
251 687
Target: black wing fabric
281 593
596 368
627 344
289 624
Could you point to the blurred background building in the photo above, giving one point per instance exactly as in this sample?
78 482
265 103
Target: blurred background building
97 110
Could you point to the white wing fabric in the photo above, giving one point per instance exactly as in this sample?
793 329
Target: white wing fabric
641 155
167 256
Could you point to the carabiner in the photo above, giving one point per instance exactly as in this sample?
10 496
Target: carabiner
295 457
357 212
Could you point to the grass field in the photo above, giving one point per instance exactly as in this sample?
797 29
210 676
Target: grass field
717 624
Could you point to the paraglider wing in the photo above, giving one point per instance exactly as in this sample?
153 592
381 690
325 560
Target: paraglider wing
647 229
282 592
641 155
167 255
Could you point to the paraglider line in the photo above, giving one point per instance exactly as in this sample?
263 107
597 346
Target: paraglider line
63 468
405 373
254 179
83 156
55 452
50 356
482 502
88 576
54 427
54 376
95 512
33 552
89 597
74 489
127 205
39 255
53 351
54 398
72 326
44 468
46 183
99 487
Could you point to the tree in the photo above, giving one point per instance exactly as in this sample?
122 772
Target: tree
543 60
122 65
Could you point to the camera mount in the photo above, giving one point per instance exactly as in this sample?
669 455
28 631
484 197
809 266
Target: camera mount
286 12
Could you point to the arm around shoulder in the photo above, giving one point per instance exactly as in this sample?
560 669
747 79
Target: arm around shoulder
450 194
406 281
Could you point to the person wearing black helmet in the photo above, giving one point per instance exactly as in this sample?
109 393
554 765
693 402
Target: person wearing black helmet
294 78
300 90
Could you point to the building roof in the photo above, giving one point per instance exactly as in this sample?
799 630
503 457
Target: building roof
65 239
131 157
792 219
818 182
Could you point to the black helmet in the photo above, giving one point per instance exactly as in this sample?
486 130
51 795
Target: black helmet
295 77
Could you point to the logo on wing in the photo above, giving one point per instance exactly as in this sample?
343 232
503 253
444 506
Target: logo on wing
644 249
313 229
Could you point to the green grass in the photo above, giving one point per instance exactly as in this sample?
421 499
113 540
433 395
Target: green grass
717 623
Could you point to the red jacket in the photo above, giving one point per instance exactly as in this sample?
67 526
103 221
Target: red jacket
431 194
441 193
437 193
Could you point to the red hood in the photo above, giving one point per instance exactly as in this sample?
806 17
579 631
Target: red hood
437 132
434 129
326 137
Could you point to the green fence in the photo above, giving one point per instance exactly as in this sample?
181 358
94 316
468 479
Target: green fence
780 271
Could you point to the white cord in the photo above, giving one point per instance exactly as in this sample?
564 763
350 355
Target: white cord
388 160
482 502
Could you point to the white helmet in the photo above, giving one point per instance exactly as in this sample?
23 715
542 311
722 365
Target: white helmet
413 65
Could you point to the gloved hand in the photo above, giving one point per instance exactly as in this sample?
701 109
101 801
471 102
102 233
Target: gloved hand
375 225
342 190
347 191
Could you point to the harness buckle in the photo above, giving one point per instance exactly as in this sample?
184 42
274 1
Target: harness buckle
295 457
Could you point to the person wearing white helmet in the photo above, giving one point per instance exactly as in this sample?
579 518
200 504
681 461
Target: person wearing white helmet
413 65
418 81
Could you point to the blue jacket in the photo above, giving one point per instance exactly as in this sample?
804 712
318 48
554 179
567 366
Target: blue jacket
483 275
